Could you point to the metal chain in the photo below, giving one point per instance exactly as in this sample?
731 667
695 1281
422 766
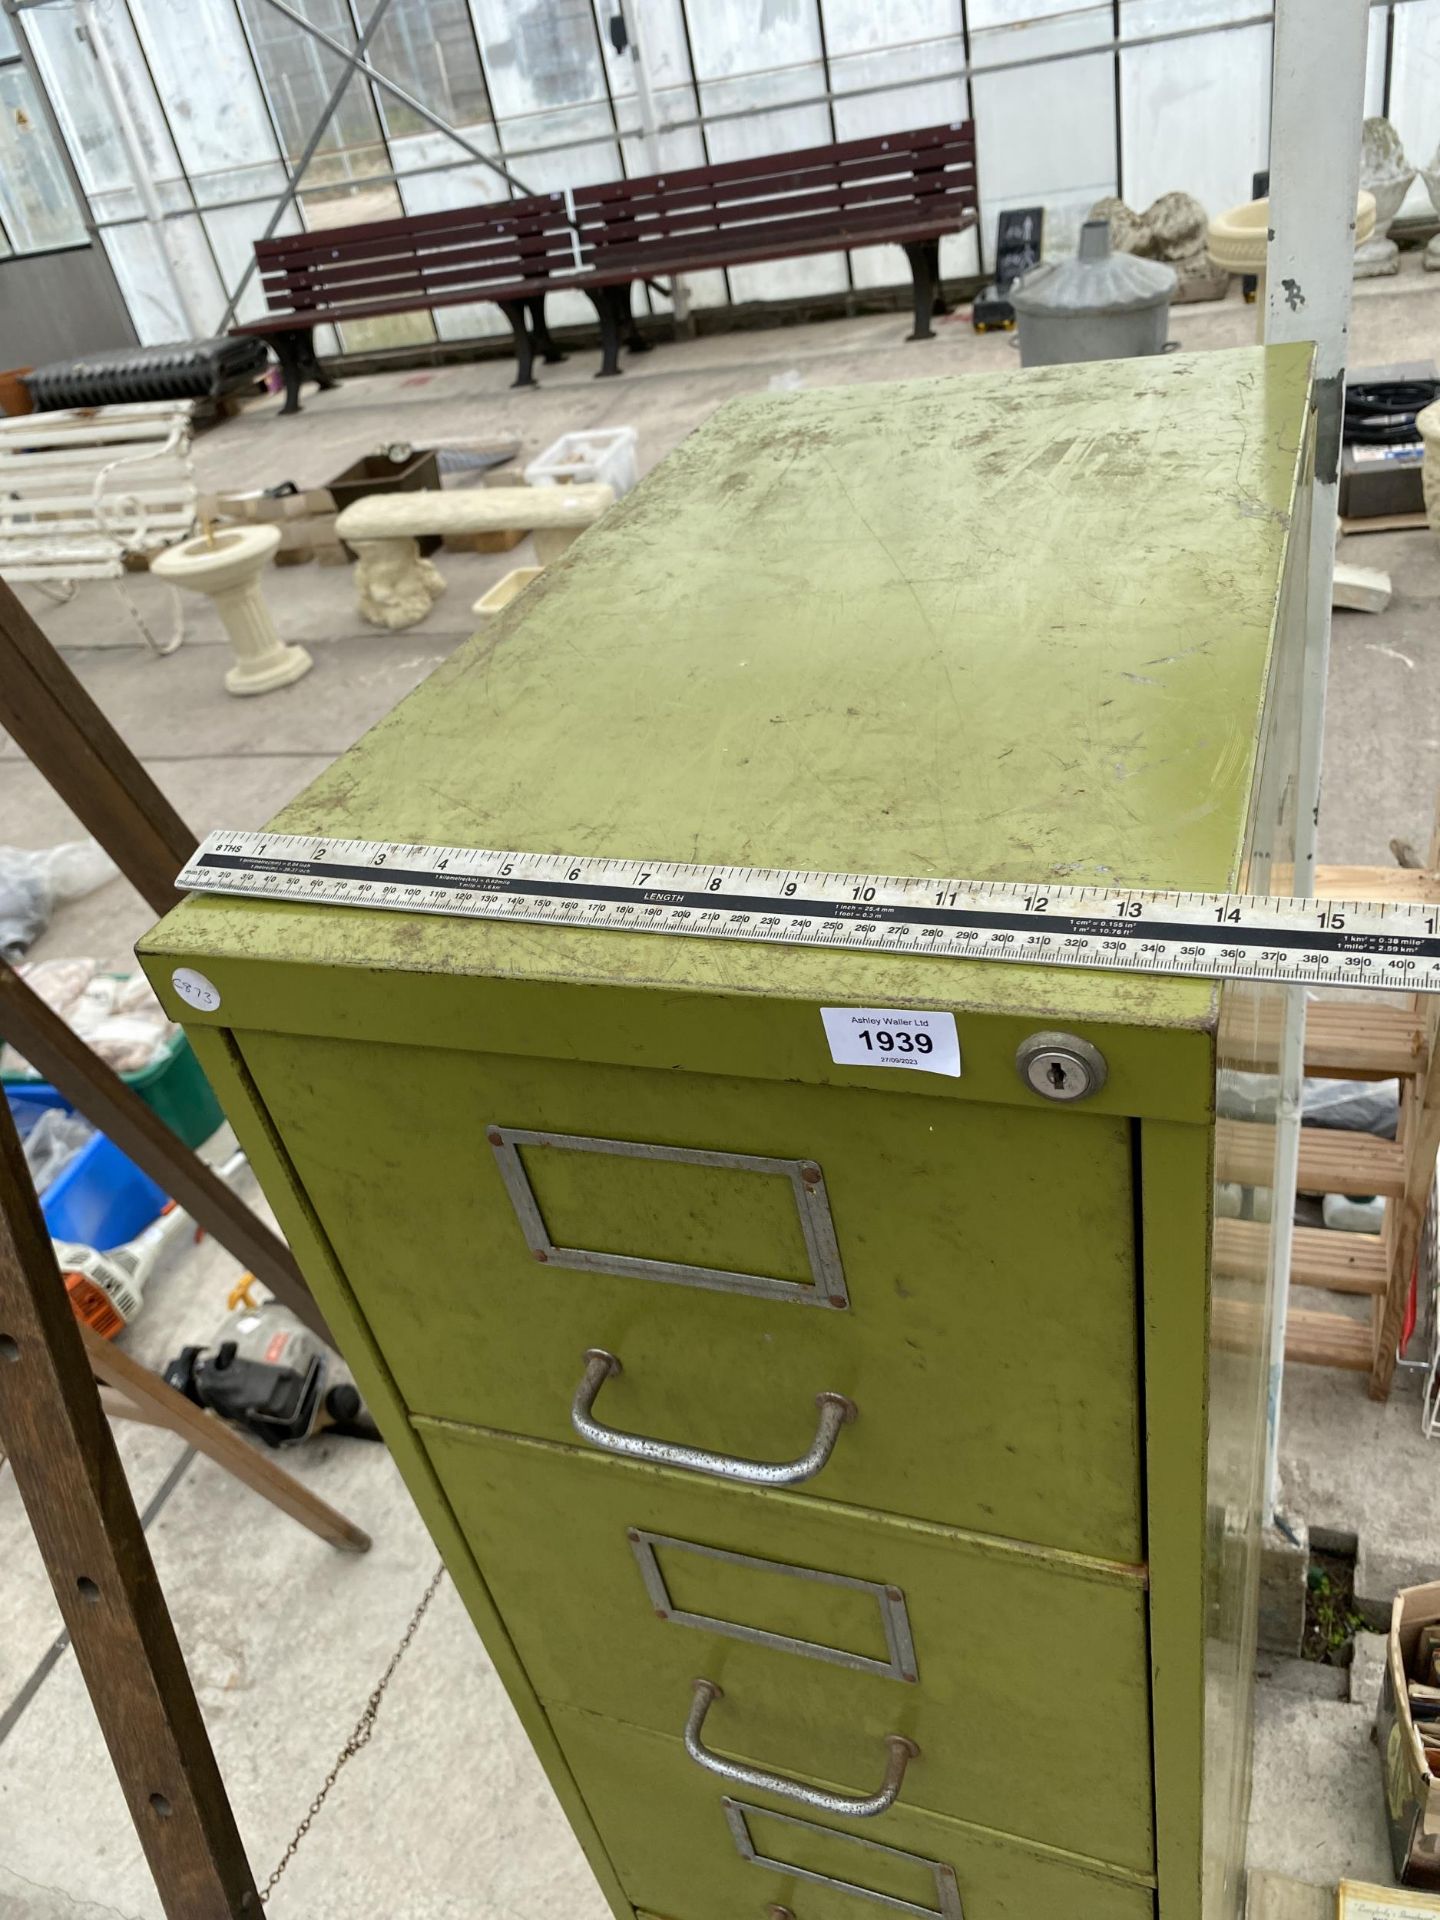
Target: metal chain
364 1727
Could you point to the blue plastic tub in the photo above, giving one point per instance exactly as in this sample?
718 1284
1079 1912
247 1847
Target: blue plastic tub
101 1198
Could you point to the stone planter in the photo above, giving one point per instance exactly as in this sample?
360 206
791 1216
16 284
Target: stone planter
1427 423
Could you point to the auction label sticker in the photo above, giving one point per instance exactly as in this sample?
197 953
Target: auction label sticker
1360 1902
890 1037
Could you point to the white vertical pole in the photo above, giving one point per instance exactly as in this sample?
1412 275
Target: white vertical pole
649 129
139 165
1316 110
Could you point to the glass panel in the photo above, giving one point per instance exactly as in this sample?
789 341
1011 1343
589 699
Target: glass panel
542 54
35 197
71 75
754 61
1196 112
8 48
1043 134
1414 62
428 47
202 66
300 74
232 232
140 268
873 45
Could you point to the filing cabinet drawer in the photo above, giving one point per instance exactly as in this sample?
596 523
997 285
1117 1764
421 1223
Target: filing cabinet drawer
964 1274
1021 1675
684 1848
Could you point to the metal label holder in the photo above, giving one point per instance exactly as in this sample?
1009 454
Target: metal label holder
947 1906
807 1184
894 1616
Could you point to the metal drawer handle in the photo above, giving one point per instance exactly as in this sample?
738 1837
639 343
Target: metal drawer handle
835 1412
859 1806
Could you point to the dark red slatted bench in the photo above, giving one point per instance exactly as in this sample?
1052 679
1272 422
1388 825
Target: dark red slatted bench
910 189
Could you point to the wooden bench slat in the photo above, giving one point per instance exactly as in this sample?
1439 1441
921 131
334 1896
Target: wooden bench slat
958 133
733 216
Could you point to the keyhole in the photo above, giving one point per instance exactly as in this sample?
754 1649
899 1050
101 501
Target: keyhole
1055 1074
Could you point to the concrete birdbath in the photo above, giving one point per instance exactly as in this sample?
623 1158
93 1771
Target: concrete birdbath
1239 241
226 567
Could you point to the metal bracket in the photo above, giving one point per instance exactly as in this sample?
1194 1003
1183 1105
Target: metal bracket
894 1616
947 1892
807 1184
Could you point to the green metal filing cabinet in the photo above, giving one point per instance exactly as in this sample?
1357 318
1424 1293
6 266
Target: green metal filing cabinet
906 1558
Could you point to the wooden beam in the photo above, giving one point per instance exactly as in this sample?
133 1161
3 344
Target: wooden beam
1362 1040
1311 1339
1339 1262
63 1456
38 1032
152 1399
66 737
1395 886
1420 1144
1331 1161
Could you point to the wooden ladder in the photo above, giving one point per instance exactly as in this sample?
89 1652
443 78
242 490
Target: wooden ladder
1348 1039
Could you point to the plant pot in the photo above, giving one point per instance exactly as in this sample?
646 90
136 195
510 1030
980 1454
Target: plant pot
14 394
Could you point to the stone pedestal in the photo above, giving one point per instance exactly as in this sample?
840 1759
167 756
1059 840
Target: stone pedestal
395 585
1386 174
227 569
1284 1567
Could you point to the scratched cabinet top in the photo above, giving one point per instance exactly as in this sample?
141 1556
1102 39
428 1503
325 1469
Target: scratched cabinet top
1014 626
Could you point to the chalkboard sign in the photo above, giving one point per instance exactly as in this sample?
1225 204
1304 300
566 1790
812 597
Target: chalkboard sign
1018 234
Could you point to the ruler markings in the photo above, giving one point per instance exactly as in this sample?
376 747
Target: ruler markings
1241 936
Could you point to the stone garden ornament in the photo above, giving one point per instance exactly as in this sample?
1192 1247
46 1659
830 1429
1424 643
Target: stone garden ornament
1385 173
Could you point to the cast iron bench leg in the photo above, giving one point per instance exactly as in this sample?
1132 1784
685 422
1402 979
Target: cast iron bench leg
918 254
942 305
514 311
310 367
603 300
625 314
289 351
550 353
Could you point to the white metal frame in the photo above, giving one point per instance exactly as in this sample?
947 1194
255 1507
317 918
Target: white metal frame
1316 113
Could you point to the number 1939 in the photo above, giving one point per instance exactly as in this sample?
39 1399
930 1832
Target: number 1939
882 1040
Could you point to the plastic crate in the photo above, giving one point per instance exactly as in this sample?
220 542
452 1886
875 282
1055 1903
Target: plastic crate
100 1198
602 454
173 1085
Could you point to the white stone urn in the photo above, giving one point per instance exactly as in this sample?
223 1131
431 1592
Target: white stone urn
1386 174
226 566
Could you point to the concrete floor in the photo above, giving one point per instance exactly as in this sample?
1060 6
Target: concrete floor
444 1814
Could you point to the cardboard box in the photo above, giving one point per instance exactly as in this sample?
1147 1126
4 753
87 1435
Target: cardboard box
1412 1793
264 506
